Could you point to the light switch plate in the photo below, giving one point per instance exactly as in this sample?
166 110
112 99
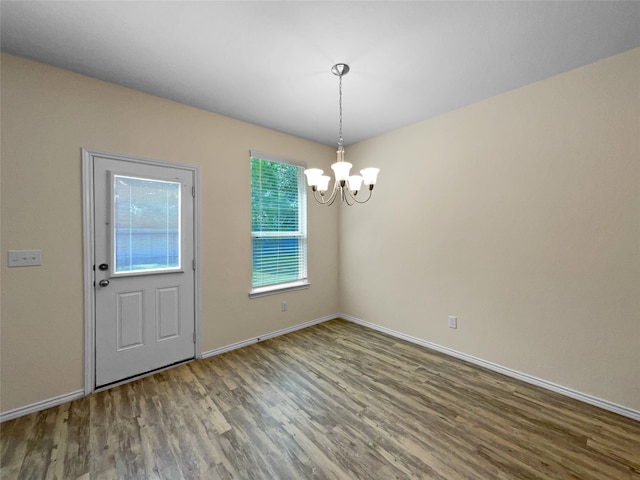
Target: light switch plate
25 258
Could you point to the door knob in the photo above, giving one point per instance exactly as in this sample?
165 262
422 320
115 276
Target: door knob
104 282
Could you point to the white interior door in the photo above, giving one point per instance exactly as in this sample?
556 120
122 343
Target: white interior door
144 267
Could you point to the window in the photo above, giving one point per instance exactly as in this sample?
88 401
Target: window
278 225
146 225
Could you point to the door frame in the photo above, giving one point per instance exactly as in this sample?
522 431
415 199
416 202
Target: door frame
88 233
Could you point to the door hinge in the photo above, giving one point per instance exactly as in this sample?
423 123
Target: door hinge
194 337
193 191
193 264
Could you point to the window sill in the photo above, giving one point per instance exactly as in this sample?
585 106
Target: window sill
278 288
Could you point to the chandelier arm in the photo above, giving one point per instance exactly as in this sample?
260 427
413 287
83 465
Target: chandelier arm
348 197
365 200
334 194
328 201
322 200
333 199
354 198
319 200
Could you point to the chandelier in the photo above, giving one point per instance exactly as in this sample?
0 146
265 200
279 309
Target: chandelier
345 186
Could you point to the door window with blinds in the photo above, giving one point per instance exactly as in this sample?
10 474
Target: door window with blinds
146 225
278 225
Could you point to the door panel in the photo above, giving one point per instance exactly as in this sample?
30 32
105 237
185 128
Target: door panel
129 320
168 312
144 286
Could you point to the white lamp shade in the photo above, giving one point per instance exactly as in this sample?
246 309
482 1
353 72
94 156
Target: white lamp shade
355 182
313 176
341 170
370 175
323 183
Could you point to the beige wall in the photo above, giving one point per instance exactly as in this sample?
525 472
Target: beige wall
520 215
525 224
48 115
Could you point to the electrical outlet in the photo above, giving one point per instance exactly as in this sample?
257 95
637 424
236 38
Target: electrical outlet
284 306
453 322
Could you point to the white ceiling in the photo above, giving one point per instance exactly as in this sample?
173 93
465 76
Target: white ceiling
268 62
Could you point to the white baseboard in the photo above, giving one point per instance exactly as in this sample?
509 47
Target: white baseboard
43 405
583 397
68 397
277 333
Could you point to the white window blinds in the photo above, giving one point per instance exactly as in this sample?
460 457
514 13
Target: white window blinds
278 224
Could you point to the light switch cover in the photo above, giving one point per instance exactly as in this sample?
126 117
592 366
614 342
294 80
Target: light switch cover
25 258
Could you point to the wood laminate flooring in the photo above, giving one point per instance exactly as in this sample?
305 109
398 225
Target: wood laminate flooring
333 401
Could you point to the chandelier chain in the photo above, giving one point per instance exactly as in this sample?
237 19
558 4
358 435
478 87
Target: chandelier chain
340 140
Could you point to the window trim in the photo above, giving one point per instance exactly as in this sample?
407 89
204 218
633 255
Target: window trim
300 284
279 288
